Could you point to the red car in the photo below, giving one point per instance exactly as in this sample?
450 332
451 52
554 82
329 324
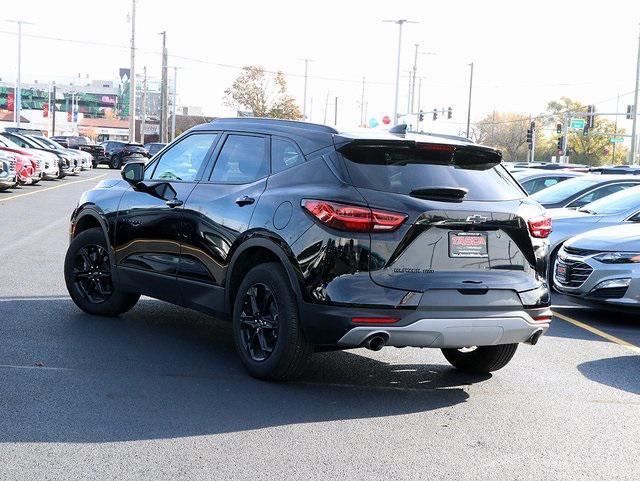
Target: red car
27 169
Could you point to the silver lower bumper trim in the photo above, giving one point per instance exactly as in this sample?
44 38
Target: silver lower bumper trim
454 333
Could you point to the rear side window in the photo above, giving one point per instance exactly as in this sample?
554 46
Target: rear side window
242 160
404 171
284 155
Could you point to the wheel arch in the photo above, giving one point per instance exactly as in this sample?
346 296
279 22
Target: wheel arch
256 251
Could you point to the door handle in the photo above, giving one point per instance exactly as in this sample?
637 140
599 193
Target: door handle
174 203
245 200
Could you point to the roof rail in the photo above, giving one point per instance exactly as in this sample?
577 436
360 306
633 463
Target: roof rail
274 122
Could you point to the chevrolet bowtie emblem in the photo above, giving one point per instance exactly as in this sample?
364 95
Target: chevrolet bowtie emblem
476 219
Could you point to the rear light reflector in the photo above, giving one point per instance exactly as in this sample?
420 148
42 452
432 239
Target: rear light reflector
373 320
540 227
437 147
352 217
543 318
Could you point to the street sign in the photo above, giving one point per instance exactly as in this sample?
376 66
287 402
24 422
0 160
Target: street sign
577 123
616 140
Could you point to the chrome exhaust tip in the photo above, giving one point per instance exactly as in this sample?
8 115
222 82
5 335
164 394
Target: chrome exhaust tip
375 342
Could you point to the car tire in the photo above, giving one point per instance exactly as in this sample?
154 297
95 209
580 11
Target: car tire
86 285
286 350
115 162
482 359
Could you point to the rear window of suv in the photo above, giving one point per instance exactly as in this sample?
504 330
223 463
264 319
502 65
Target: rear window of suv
404 171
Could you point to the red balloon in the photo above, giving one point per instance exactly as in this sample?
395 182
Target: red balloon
386 120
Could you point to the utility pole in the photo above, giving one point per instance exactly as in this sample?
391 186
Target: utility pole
17 97
335 113
469 104
409 94
173 107
634 145
533 141
400 23
311 109
53 111
565 136
143 125
362 104
413 83
326 106
418 106
615 130
306 75
163 90
132 76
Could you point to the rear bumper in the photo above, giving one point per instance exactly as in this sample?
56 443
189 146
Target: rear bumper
453 332
424 326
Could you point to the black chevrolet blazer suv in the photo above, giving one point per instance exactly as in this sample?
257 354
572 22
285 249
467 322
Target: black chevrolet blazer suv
310 239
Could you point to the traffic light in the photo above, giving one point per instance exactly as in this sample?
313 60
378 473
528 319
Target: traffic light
449 113
559 128
630 112
421 116
591 117
435 114
560 142
529 136
585 131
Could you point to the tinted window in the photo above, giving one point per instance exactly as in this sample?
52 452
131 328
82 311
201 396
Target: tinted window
564 190
530 186
18 141
599 194
403 171
241 160
617 203
284 154
183 160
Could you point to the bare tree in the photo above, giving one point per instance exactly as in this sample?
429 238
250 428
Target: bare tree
263 94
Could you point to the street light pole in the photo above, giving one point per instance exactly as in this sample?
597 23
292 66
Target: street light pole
17 97
400 23
632 152
132 76
469 104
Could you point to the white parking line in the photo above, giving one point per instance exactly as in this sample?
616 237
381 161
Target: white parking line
3 199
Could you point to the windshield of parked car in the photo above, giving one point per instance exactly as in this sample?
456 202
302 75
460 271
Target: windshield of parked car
564 190
618 203
5 142
48 142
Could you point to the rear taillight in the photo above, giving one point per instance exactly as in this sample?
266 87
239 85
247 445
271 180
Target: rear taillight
374 320
540 227
353 217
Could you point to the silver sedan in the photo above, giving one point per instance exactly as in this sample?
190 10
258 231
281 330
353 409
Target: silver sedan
601 266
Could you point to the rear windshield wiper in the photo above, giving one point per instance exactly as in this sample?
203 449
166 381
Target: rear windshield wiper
440 193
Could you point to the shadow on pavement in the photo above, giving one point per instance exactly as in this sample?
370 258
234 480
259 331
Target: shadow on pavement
165 372
618 372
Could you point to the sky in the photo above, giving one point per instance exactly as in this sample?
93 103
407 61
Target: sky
524 53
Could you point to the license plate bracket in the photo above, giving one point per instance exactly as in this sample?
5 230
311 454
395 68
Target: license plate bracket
468 244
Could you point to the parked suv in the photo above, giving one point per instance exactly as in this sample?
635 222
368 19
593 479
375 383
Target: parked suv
83 144
312 239
119 152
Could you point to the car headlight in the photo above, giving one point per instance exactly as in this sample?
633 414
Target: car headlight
618 257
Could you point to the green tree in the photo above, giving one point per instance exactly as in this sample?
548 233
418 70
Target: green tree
504 131
594 148
263 94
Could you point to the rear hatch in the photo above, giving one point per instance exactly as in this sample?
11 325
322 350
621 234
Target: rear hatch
134 150
468 220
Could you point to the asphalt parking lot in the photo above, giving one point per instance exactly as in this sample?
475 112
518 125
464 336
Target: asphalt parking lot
160 394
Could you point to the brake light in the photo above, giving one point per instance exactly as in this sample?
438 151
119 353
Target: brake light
352 217
437 147
543 318
540 227
373 320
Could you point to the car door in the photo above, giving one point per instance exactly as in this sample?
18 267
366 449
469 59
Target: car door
217 214
148 227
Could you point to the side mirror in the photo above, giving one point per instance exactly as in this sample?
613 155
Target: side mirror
133 172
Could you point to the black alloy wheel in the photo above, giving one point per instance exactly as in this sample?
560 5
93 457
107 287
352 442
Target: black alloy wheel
259 322
92 273
115 162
